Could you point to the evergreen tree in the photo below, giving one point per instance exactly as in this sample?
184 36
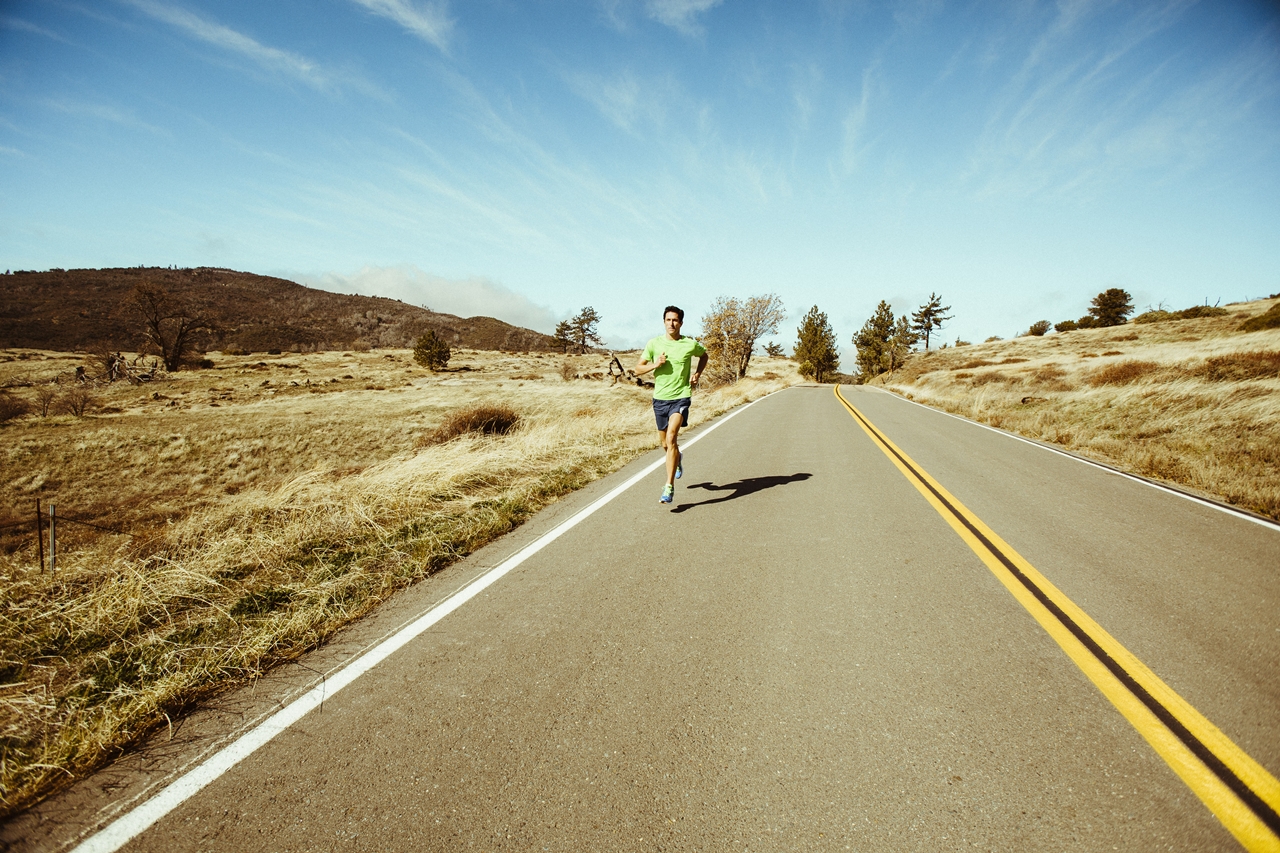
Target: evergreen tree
1111 307
929 318
816 346
901 342
431 351
582 329
564 335
872 341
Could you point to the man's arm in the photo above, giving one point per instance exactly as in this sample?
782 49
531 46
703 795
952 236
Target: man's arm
697 374
643 366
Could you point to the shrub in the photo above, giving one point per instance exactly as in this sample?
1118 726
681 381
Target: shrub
431 351
993 338
12 407
1038 328
1269 320
1066 326
568 371
77 401
1239 366
1157 315
1197 311
481 419
1122 373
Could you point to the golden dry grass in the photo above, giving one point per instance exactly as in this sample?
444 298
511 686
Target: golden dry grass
258 507
1193 402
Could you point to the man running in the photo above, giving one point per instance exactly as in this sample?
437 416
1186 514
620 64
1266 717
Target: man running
670 357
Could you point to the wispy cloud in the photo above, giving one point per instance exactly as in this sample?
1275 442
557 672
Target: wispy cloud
680 15
11 152
27 27
1076 118
429 22
467 297
621 98
854 127
103 112
269 58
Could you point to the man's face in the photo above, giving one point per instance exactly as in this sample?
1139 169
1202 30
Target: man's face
673 323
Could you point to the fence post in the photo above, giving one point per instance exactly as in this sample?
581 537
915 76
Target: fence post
40 535
53 537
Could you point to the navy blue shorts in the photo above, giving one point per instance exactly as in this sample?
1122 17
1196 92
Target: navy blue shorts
664 409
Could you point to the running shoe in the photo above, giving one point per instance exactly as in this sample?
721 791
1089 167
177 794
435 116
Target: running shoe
679 466
668 492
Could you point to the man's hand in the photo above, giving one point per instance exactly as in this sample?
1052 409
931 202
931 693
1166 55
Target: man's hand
693 380
662 359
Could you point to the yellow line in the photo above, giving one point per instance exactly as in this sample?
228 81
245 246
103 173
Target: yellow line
1235 814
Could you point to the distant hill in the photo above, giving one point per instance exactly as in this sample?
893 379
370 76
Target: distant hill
90 311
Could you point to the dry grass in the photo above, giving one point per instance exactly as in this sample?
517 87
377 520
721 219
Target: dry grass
1194 402
247 512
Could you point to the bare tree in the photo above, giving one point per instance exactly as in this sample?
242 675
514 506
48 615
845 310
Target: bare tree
732 328
169 325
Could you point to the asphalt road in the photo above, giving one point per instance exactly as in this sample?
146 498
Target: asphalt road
800 653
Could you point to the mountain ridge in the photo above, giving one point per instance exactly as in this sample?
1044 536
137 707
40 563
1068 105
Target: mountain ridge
90 310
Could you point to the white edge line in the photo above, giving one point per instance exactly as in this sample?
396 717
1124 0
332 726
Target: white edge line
136 821
1265 522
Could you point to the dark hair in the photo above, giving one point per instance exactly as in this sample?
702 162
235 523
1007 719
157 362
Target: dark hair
669 309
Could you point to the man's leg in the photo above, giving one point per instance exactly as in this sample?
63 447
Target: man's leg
671 442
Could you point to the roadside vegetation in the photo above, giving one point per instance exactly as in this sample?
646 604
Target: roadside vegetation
1189 397
215 522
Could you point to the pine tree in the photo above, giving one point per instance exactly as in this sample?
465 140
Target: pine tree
930 317
582 329
873 342
1111 307
816 346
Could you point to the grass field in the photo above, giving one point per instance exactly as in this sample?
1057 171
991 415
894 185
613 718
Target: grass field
1192 402
243 513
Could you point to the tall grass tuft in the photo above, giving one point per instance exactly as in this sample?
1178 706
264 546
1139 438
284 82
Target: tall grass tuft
480 420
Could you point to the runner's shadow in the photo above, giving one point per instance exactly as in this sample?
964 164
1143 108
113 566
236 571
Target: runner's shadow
740 489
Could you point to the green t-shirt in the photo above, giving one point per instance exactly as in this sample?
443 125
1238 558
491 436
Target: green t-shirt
671 380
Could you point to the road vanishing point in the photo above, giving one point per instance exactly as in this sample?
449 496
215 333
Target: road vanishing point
862 625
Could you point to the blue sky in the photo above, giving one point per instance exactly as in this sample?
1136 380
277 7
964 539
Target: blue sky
525 159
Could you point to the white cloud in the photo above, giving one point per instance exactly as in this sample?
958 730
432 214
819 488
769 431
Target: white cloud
273 59
28 27
467 297
855 124
429 22
103 112
680 15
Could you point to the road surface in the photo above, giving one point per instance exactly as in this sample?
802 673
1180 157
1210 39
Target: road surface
803 652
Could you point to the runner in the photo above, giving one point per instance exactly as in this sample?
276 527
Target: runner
670 357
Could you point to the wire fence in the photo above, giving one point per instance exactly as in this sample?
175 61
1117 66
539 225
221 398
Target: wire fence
46 524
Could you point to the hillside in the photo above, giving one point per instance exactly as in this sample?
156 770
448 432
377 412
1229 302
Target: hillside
90 311
1194 402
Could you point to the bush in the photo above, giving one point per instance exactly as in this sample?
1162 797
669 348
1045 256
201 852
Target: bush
568 370
1123 373
1156 316
1038 328
1197 311
1269 320
77 401
12 407
481 419
431 351
1238 366
1066 326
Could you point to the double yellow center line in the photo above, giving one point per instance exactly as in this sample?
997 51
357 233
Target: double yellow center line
1238 790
